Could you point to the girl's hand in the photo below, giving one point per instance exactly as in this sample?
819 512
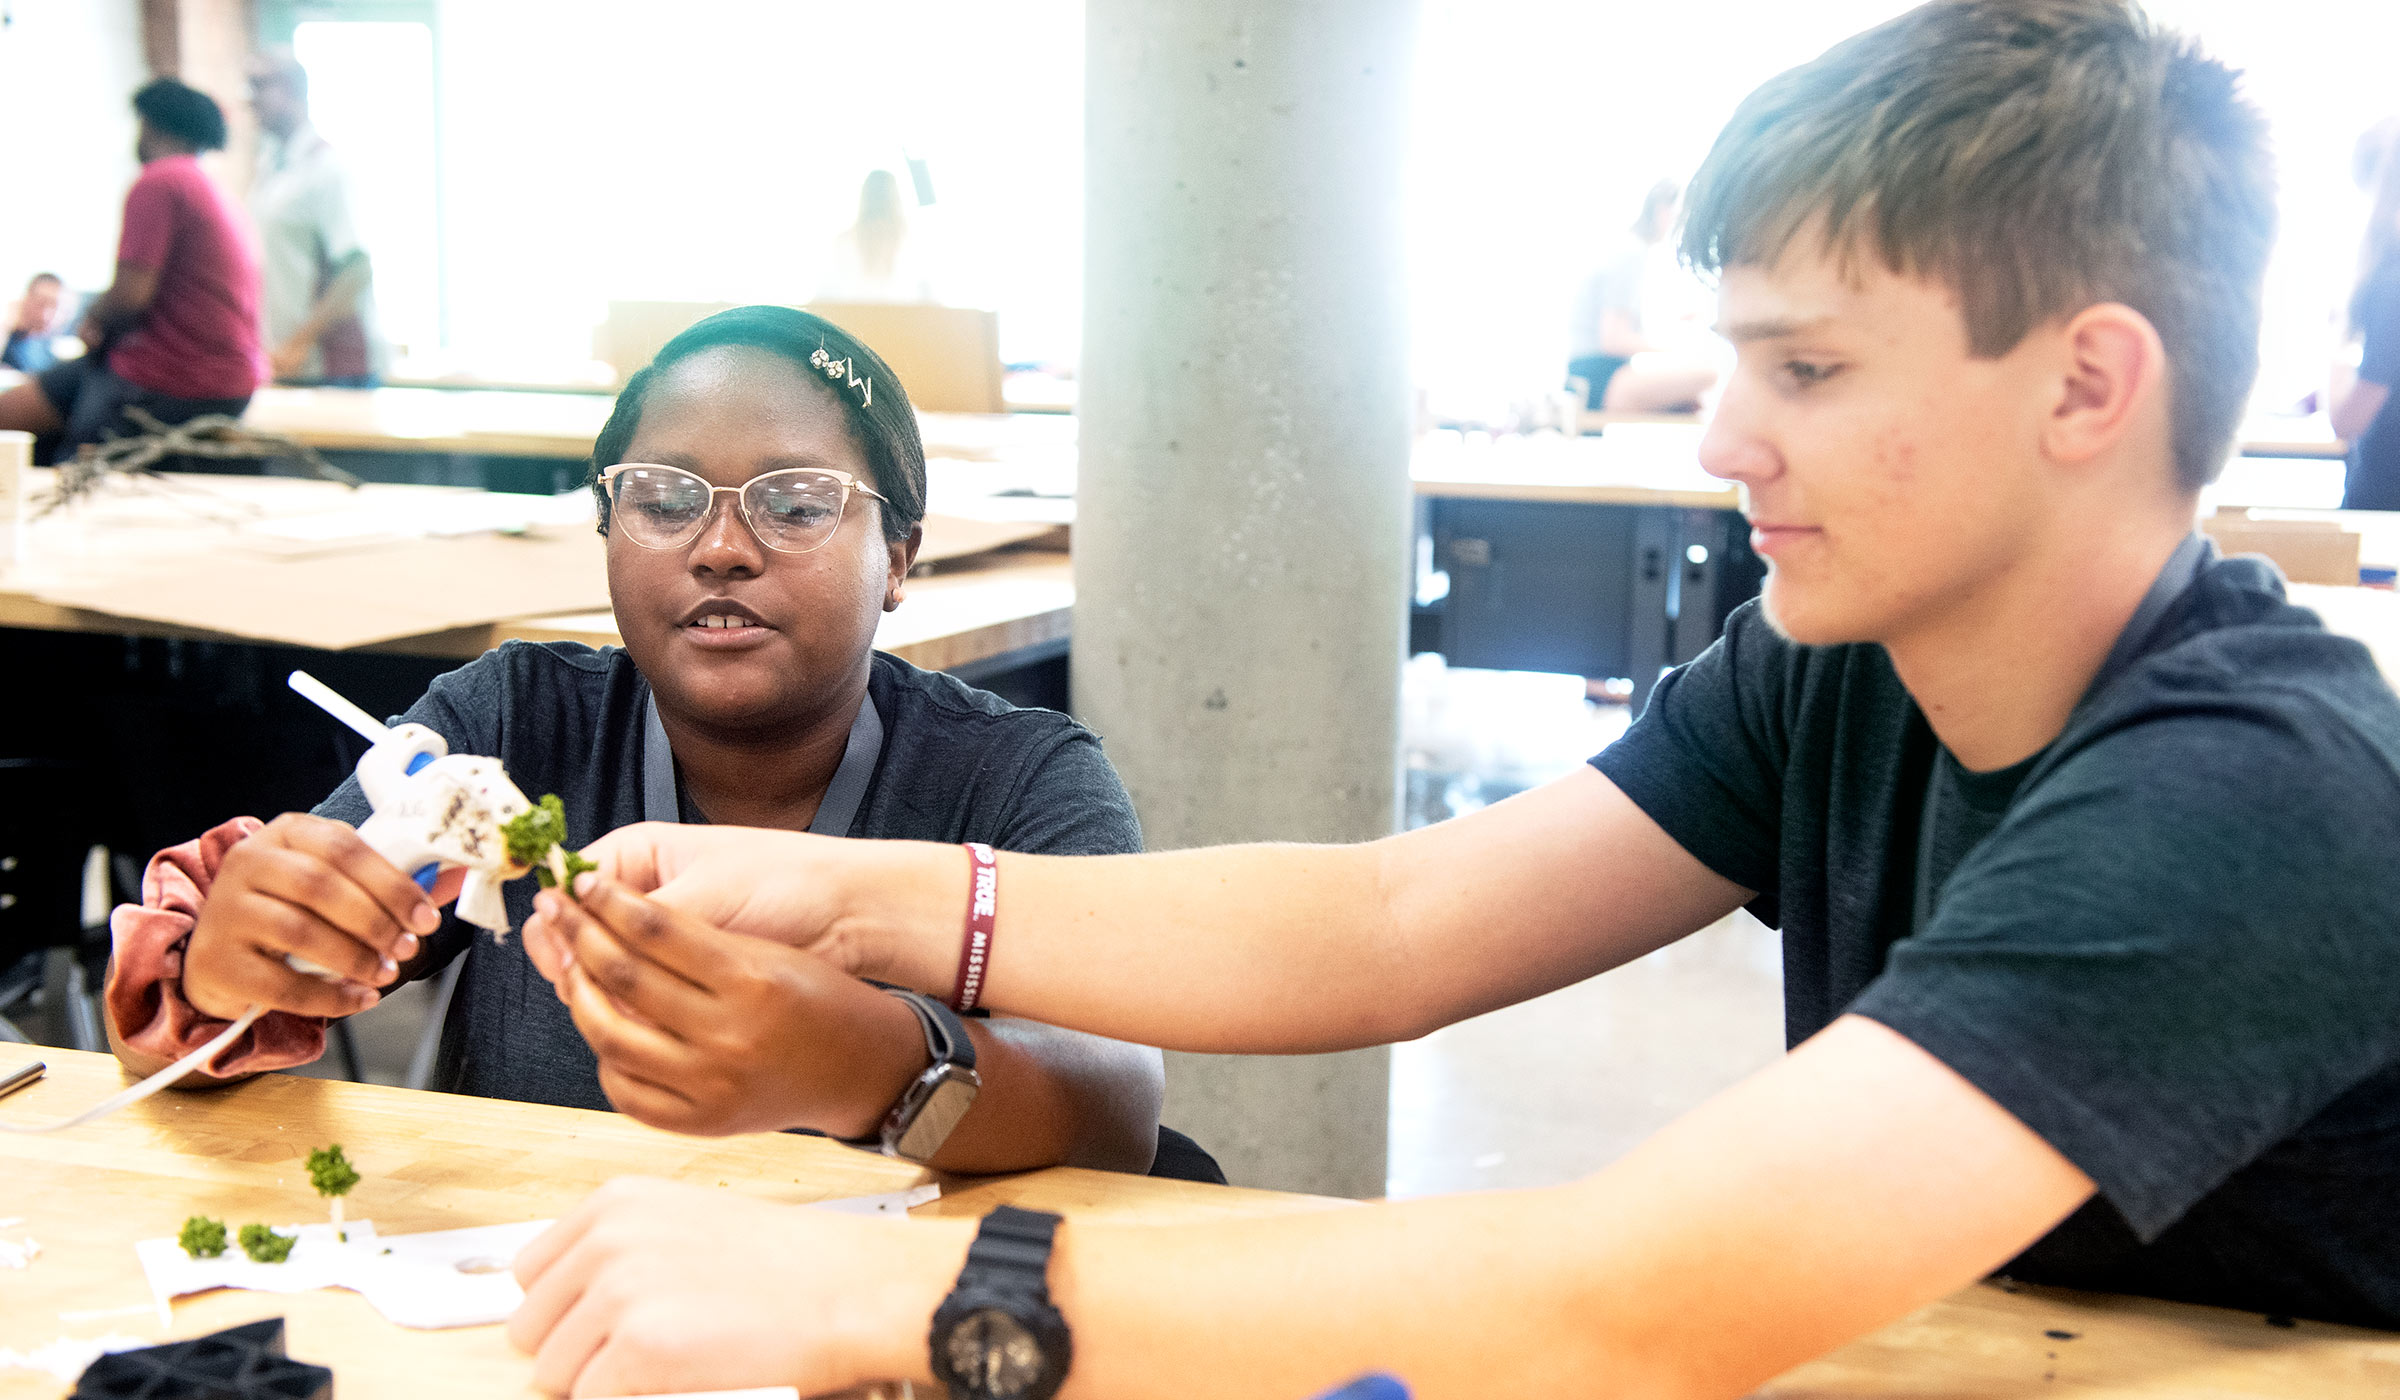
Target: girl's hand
702 1031
308 886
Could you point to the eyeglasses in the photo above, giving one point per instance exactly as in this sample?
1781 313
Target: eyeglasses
791 511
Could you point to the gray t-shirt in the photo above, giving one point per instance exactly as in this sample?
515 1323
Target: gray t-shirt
2170 943
958 764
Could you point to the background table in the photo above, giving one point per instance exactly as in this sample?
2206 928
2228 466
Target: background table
434 1161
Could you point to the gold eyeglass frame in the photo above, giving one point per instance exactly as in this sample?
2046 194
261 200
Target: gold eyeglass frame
848 483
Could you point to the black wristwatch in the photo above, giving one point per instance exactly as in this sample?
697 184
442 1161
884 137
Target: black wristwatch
996 1337
932 1105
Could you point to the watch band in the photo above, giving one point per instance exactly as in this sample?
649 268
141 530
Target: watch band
946 1038
999 1334
930 1107
1017 1241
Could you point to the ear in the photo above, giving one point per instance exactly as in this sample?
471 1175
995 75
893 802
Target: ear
902 558
2115 382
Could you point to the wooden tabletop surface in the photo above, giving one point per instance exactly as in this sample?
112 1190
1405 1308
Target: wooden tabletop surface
434 1162
526 423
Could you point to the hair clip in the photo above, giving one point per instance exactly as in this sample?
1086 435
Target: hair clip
841 369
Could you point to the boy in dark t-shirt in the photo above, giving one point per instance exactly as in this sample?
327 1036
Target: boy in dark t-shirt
2081 840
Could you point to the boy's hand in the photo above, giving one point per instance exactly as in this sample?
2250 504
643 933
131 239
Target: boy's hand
310 886
769 884
651 1286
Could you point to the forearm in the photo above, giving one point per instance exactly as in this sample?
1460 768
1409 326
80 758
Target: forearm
1211 950
339 299
1447 1294
1296 949
1700 1264
1052 1097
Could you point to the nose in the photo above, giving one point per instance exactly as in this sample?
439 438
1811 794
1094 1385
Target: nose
726 548
1734 445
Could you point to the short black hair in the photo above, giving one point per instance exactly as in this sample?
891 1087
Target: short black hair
183 112
40 277
2036 157
882 422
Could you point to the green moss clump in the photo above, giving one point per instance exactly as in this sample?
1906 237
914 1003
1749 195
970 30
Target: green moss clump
202 1237
265 1246
330 1172
532 834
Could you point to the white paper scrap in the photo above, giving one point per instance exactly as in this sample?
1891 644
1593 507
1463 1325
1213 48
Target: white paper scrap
889 1203
440 1278
68 1357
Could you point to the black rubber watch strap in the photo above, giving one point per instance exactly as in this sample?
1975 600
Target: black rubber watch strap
1018 1241
946 1035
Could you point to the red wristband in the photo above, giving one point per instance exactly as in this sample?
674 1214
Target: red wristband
982 911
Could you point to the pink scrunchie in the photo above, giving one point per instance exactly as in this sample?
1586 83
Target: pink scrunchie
145 977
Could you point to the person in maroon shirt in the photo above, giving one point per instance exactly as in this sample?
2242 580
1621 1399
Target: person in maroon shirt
177 333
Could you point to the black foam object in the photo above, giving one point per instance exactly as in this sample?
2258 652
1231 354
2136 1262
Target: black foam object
239 1363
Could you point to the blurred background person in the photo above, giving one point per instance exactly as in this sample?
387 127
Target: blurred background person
1627 365
176 334
33 330
2362 407
873 259
320 312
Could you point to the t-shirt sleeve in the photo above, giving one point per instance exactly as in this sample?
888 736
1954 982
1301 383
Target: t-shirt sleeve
2379 361
150 208
1072 803
2175 951
1705 760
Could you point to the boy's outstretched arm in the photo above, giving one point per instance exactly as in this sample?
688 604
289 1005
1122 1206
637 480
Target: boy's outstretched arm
1240 949
1838 1190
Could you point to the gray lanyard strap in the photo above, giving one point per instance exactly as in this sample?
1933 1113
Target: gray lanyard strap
2182 569
835 812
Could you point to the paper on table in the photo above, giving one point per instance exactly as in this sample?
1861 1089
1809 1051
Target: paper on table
379 594
435 1279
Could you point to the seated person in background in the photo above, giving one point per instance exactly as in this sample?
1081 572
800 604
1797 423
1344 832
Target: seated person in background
2363 408
176 334
1626 369
2080 839
761 517
33 332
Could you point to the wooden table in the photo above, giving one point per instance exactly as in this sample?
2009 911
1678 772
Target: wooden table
434 1162
532 423
999 609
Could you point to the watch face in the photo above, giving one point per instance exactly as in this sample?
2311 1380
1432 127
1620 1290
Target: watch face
992 1351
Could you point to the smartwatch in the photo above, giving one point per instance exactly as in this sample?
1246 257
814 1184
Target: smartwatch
997 1337
932 1105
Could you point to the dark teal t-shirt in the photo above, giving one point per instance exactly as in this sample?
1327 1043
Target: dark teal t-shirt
2170 944
958 764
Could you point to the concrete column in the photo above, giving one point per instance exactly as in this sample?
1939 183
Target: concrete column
1241 544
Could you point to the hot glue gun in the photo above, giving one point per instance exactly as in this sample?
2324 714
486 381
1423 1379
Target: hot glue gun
433 808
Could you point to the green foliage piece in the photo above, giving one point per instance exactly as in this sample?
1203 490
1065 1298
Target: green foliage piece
330 1172
202 1237
265 1246
576 865
531 833
531 836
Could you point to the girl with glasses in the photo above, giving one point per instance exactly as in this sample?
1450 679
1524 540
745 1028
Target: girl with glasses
760 485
